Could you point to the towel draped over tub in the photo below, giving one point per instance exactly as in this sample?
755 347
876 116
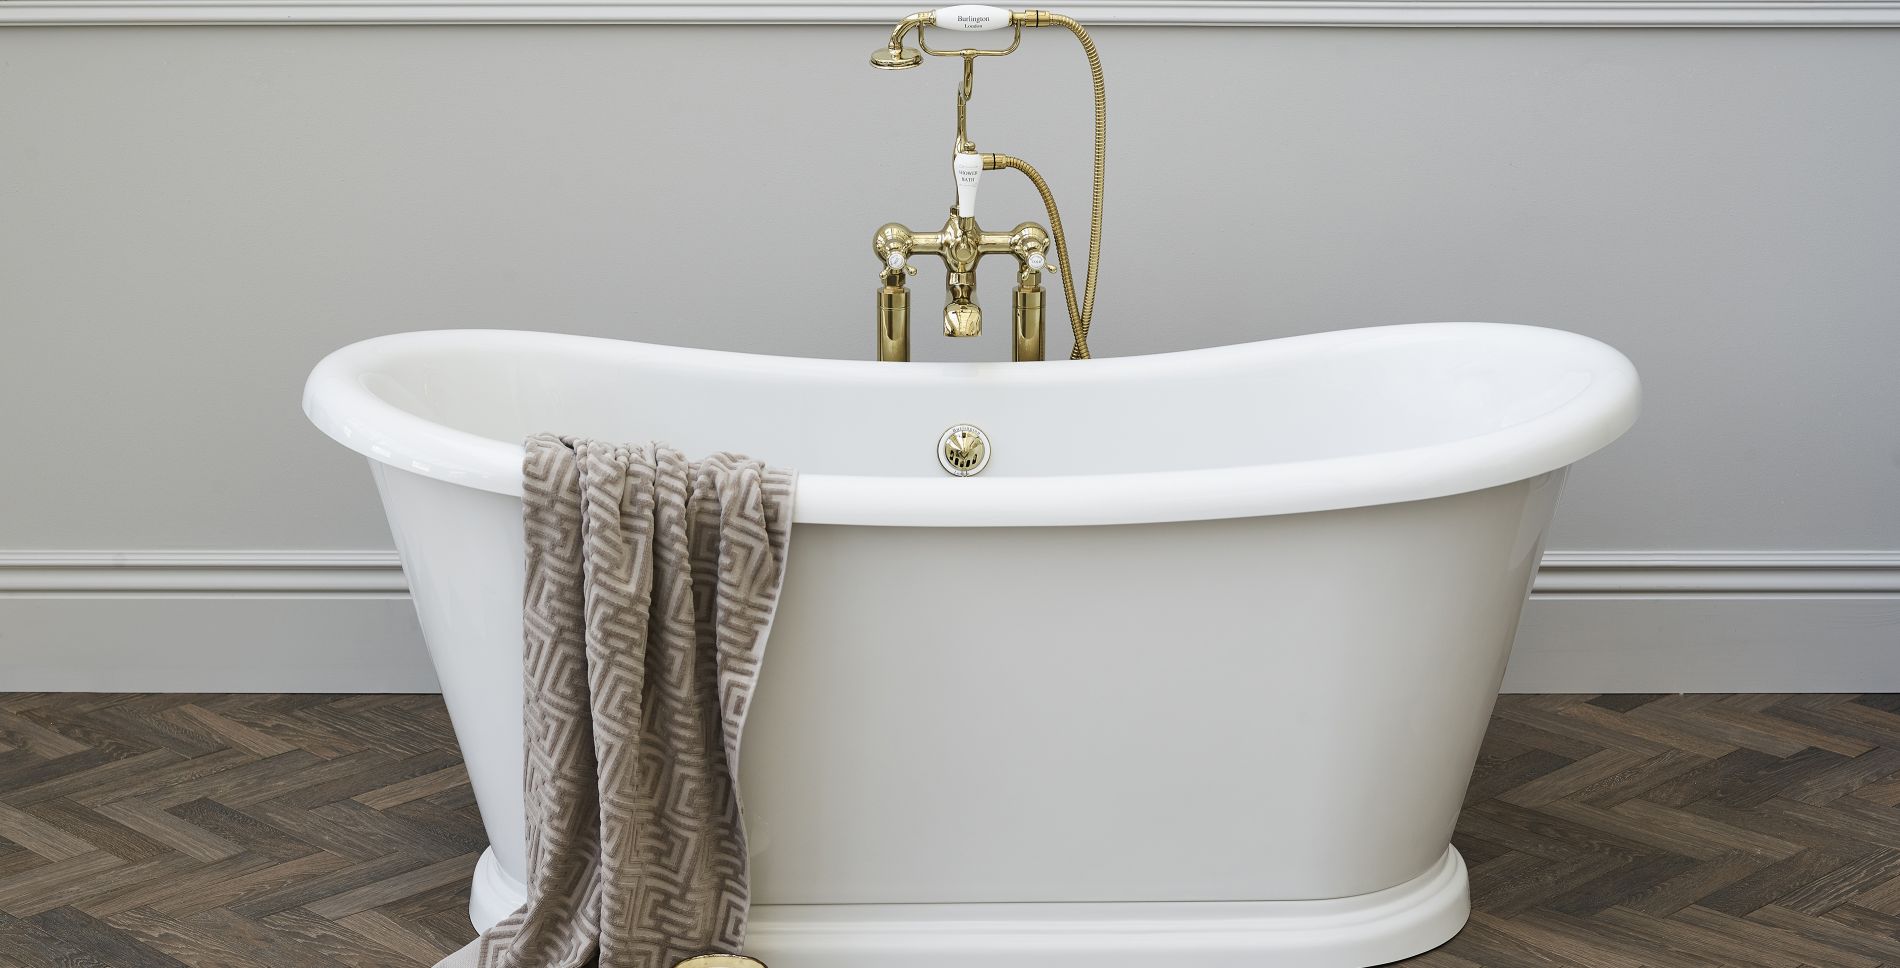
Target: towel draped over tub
651 585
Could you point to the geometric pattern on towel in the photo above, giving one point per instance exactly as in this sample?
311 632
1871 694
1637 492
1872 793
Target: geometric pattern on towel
651 586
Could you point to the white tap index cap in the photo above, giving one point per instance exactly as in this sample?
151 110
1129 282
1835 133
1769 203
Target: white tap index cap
969 166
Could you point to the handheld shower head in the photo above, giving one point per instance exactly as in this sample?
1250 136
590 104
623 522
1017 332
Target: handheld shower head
958 19
896 58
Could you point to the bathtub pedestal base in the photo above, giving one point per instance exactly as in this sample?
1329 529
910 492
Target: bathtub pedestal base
1352 932
493 894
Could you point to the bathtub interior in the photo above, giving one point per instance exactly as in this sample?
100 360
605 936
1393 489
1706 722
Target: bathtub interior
1284 401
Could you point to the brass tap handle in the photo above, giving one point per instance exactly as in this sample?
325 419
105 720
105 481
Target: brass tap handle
1030 244
893 244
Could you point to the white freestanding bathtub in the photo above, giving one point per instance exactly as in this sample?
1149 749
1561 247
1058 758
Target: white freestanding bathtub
1194 672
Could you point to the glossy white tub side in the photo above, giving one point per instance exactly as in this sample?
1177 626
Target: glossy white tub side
1275 708
463 558
1269 708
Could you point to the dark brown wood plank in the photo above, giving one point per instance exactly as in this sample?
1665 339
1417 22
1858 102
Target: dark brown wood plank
167 831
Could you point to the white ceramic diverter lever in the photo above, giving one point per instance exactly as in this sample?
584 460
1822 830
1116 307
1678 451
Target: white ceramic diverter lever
969 166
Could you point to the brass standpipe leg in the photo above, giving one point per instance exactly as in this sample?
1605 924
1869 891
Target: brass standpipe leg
893 324
1026 337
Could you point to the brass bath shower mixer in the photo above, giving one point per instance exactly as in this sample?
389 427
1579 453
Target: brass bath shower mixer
961 243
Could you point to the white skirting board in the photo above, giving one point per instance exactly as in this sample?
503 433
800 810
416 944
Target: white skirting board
1707 645
172 643
254 621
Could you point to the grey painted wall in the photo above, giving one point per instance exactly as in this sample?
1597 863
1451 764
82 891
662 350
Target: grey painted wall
191 217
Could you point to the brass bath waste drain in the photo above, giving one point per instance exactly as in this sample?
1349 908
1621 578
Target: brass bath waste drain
964 450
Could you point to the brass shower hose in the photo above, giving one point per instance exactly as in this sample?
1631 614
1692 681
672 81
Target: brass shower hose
1079 316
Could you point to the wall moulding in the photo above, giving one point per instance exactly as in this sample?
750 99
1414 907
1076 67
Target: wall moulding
1205 13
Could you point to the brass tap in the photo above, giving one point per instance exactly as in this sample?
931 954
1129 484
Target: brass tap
961 243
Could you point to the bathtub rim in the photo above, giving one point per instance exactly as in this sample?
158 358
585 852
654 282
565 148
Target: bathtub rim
337 400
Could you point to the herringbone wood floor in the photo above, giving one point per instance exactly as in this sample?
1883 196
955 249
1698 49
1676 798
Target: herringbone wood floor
249 831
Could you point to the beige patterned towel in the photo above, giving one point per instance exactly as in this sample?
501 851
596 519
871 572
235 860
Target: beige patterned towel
651 584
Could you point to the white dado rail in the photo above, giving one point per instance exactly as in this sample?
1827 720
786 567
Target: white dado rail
1206 13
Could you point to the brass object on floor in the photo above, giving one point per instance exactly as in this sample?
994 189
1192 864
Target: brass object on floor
961 243
720 961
